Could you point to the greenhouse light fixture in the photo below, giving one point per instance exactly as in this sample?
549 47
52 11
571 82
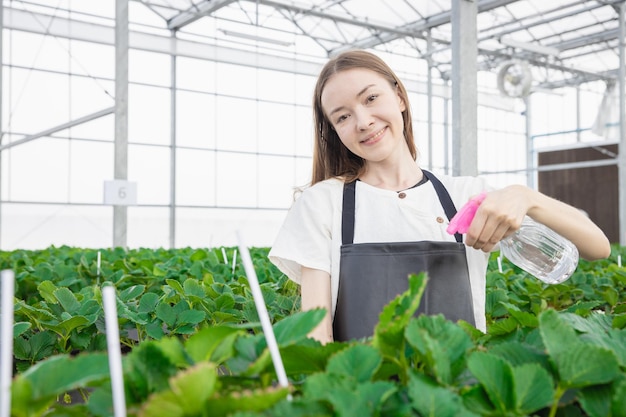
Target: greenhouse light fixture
257 38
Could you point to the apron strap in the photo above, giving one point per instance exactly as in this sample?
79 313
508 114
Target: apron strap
347 216
444 199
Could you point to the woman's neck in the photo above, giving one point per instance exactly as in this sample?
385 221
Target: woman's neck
400 176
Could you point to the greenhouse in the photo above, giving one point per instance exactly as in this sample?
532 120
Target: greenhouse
158 148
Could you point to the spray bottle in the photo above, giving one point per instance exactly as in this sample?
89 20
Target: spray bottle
535 248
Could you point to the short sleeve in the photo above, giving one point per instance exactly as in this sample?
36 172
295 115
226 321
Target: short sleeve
305 237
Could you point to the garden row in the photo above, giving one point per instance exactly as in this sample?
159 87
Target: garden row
194 346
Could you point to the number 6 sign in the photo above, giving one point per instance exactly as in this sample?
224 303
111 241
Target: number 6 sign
120 193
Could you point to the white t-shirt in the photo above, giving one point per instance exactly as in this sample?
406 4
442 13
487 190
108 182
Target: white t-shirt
311 233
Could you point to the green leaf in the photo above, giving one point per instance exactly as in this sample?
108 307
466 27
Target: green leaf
441 343
162 404
596 400
46 290
20 327
358 361
166 312
518 354
148 302
191 317
299 359
176 286
584 365
212 343
431 400
67 299
193 287
557 335
198 255
251 400
62 373
194 387
534 388
389 332
297 326
496 377
618 402
132 292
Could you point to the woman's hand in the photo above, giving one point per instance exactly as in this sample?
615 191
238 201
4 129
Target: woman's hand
502 211
498 216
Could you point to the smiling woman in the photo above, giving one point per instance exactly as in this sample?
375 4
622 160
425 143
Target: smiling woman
373 216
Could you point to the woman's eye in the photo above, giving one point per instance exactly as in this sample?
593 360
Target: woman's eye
341 118
372 97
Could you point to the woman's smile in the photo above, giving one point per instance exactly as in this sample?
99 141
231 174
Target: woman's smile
375 138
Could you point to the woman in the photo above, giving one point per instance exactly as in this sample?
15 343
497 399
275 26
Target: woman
372 216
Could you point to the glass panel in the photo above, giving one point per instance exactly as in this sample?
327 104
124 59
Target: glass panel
236 124
276 86
149 166
276 181
195 120
38 171
149 67
237 180
195 74
276 131
236 80
91 164
195 177
148 115
148 227
30 226
37 93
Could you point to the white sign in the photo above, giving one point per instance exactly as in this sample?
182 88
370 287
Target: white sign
120 193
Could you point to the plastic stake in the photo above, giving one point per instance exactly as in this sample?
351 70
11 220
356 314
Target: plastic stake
109 301
262 311
6 341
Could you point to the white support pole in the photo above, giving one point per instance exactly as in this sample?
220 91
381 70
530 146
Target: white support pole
464 88
120 212
621 166
263 314
109 302
6 341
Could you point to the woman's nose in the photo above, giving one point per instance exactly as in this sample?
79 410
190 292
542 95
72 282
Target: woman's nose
364 119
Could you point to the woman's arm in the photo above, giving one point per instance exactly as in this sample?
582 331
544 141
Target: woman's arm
502 212
315 288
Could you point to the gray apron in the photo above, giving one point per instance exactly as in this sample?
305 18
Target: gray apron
372 274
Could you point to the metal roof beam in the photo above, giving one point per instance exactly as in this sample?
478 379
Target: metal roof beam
542 21
597 37
415 28
60 127
196 12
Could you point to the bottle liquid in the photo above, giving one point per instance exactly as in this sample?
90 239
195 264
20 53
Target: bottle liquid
535 248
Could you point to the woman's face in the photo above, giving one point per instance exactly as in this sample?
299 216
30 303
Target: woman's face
366 112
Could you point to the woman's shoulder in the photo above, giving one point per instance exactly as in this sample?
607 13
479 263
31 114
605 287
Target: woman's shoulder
329 187
327 193
464 185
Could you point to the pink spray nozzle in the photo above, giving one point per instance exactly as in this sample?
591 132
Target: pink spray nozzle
460 223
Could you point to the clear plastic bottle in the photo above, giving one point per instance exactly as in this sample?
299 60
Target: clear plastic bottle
541 252
535 248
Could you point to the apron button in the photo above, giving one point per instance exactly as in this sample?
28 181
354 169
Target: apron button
439 220
401 195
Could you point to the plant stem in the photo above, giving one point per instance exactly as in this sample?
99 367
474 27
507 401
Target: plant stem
557 397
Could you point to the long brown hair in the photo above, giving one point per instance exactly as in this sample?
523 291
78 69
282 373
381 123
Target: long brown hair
330 157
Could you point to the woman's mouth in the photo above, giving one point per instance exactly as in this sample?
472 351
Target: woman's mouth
372 139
